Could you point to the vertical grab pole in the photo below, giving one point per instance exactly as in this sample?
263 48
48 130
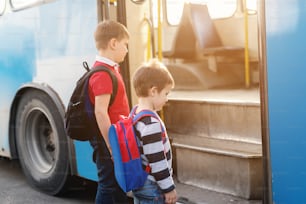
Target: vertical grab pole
246 49
149 43
159 41
159 31
150 39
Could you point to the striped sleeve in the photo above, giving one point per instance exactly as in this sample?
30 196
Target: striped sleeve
156 152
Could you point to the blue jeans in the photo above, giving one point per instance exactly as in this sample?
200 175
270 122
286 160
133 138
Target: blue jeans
108 191
150 193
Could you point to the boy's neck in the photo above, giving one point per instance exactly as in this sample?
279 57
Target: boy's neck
107 54
145 103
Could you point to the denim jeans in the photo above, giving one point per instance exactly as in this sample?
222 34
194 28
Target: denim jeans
108 191
150 193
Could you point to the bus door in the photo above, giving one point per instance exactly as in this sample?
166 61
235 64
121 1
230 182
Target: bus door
135 15
285 99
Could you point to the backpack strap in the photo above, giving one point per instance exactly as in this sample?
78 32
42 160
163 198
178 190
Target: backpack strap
141 114
99 68
137 117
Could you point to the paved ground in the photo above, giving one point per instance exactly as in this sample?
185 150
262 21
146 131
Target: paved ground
201 196
15 190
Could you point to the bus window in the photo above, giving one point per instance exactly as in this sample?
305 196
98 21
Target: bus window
217 9
22 4
251 6
2 7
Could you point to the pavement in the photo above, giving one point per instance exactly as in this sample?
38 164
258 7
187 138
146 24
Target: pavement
196 195
15 189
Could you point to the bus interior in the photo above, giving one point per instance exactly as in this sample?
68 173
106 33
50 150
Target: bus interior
213 114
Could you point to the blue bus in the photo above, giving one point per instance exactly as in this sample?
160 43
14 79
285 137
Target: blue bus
235 117
42 46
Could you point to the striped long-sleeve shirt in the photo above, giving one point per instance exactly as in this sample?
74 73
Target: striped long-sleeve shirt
155 150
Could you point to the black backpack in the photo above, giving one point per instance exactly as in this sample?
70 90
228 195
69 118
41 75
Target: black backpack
80 121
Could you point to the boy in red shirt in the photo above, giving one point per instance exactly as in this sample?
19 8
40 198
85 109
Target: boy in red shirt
111 41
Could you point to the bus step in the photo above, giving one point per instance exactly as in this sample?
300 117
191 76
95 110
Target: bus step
223 166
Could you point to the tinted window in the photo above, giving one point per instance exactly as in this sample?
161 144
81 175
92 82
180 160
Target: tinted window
22 4
2 7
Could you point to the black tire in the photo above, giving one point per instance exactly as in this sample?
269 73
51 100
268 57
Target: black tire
42 143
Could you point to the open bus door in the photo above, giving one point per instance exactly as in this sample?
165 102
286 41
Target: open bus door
214 137
116 10
284 100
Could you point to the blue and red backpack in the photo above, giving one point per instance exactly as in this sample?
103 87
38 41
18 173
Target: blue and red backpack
125 151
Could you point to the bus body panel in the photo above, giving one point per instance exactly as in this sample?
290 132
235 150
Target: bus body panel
48 43
13 73
85 166
286 48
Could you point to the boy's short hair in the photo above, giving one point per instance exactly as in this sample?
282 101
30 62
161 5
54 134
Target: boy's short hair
151 74
108 29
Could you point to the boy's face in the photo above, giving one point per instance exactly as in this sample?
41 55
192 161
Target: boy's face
160 98
120 49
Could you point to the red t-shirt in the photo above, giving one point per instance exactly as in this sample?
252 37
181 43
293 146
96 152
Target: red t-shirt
101 83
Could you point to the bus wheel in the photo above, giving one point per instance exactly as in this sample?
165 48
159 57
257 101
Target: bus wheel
42 143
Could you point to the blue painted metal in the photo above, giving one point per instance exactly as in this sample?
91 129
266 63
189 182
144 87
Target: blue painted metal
46 44
85 165
286 70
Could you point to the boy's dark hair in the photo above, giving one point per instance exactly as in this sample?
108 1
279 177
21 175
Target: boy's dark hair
108 29
151 74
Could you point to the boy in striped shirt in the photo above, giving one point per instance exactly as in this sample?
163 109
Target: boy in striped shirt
152 83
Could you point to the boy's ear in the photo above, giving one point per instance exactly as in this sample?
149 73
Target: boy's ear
112 43
153 90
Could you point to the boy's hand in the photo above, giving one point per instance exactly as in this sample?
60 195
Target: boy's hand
171 197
